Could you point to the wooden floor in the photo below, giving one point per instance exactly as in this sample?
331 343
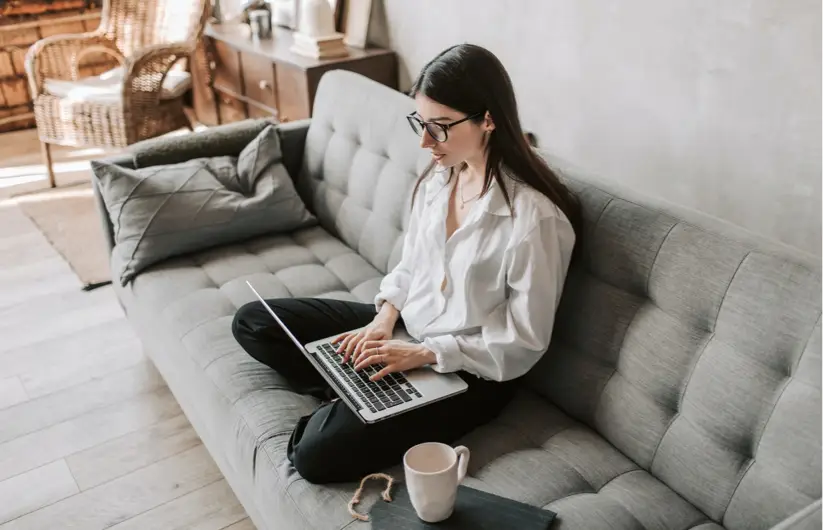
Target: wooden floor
90 436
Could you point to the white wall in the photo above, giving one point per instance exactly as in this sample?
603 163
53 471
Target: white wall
714 105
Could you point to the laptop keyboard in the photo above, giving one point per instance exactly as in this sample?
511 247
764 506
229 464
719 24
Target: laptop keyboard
391 391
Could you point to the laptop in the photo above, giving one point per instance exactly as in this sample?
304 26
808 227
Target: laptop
373 401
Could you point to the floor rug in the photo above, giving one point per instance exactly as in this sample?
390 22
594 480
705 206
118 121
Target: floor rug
68 217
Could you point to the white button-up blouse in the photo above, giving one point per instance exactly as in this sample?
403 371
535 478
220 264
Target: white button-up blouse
484 301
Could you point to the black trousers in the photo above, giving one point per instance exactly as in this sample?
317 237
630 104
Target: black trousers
332 444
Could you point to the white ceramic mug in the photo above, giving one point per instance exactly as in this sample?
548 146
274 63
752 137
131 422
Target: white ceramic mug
433 472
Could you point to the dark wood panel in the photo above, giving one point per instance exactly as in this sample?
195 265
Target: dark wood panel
18 60
203 99
16 92
292 93
231 108
227 67
61 28
20 9
382 69
6 65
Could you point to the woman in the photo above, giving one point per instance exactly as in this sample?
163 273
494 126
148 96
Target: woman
484 259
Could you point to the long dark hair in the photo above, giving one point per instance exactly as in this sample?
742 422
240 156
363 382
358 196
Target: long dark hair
471 79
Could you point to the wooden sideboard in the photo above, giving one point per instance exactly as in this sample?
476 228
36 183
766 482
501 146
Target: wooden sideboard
241 78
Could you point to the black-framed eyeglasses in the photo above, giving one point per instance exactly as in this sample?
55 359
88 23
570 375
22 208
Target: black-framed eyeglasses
438 131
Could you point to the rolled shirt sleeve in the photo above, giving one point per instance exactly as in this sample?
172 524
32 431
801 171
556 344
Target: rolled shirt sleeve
517 332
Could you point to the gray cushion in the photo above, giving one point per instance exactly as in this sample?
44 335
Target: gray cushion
533 452
167 210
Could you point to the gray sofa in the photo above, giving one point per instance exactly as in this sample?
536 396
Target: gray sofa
681 390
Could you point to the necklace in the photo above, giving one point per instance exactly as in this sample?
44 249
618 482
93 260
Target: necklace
462 200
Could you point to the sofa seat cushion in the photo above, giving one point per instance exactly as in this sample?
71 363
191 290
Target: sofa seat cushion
532 452
197 288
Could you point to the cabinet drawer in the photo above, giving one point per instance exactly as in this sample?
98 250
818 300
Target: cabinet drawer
227 67
259 81
231 108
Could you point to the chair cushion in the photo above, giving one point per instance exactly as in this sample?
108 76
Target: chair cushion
164 211
108 86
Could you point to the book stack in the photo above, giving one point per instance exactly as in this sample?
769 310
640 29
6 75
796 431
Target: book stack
319 47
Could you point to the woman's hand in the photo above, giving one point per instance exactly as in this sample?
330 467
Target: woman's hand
351 344
395 355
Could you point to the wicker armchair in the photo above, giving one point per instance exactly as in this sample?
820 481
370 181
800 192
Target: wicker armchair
149 38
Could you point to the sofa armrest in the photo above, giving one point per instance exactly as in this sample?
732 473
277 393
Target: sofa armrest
808 518
223 140
105 221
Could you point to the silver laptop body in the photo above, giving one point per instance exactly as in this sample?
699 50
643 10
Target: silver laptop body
373 401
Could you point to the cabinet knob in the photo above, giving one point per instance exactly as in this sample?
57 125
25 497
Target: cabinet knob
264 85
213 65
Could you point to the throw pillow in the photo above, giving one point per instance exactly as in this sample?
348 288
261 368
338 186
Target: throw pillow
163 211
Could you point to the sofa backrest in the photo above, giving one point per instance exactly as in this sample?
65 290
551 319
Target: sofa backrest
360 164
690 345
694 348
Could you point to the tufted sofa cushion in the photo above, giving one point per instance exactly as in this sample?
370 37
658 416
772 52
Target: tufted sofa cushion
358 173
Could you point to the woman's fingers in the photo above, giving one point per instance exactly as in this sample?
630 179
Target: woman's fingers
393 367
358 350
373 344
367 352
357 353
373 356
377 358
349 344
343 340
367 349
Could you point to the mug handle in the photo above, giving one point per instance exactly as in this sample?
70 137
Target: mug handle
462 462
